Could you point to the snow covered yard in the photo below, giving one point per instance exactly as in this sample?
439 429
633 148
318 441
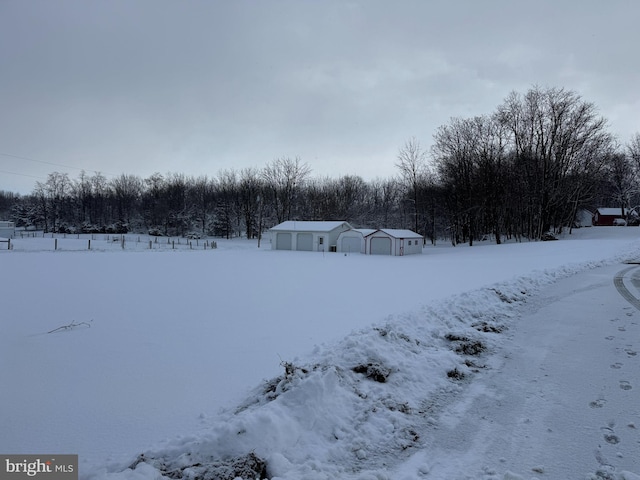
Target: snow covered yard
182 355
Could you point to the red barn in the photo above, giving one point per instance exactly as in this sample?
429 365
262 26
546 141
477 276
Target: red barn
609 217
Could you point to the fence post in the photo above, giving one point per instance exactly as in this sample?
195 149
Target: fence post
150 244
89 246
173 245
55 243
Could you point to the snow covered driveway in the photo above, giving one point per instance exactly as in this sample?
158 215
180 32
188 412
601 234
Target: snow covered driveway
564 400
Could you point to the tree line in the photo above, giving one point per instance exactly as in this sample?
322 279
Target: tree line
519 172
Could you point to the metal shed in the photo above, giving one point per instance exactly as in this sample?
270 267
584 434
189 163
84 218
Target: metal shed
390 241
307 236
352 241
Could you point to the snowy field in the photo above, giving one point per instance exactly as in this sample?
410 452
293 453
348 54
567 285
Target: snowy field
323 366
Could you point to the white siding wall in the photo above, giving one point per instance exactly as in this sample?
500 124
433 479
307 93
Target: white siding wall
350 242
303 241
415 247
380 243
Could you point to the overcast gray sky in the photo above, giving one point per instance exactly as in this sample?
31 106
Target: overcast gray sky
144 86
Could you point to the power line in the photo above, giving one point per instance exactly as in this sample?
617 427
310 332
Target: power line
52 163
38 161
21 174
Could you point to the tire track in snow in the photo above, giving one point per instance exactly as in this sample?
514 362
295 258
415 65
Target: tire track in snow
618 281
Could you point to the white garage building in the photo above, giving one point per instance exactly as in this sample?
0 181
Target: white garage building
352 241
391 241
307 236
339 236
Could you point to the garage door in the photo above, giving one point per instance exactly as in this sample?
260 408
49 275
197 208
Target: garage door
305 241
283 241
380 246
350 244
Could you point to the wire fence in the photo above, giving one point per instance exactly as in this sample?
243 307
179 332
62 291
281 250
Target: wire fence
31 241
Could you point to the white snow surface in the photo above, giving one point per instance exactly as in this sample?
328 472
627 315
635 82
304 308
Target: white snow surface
181 355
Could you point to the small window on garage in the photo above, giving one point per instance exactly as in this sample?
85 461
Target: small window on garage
409 242
321 240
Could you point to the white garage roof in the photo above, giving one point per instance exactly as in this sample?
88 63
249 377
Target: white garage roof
364 231
293 225
398 233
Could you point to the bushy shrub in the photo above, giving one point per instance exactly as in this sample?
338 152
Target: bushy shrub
118 227
156 232
64 228
90 228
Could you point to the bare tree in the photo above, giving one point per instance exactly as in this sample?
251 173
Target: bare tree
316 199
350 196
227 213
54 194
555 136
201 199
633 149
384 195
99 199
453 152
414 173
284 177
622 179
250 188
127 190
178 219
154 203
491 176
